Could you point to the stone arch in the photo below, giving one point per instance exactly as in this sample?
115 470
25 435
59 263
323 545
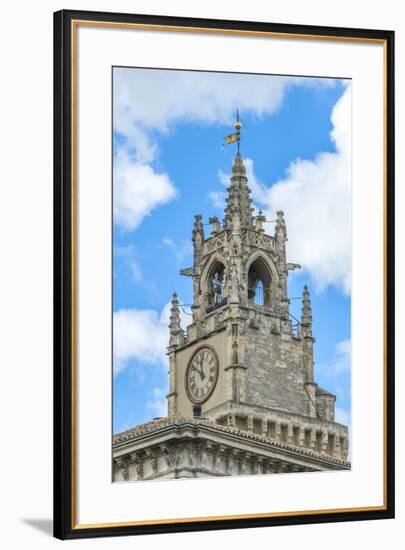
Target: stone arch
214 295
262 280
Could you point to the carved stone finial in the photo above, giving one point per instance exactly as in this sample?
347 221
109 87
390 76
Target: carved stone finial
215 225
260 219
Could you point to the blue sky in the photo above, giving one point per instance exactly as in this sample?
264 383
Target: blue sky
169 164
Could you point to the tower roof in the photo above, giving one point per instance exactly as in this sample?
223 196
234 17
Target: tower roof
239 204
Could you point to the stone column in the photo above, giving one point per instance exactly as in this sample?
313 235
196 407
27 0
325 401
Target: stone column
289 433
230 461
324 441
337 451
301 436
278 431
313 439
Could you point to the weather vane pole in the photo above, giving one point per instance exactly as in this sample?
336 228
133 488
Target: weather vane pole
235 136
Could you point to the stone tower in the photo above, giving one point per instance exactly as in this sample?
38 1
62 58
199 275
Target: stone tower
242 367
243 315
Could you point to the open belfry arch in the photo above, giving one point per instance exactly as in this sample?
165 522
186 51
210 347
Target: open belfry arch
242 395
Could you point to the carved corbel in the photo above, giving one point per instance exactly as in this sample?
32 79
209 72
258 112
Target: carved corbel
187 272
291 267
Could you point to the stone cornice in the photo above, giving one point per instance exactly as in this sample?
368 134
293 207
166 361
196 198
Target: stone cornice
177 423
241 406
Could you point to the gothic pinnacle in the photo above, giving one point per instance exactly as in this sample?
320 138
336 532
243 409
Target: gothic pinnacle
198 226
174 324
238 168
306 315
238 202
280 232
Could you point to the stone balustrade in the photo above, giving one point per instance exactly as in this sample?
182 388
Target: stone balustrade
329 438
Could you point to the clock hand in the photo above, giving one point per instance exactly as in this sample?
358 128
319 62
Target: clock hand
200 371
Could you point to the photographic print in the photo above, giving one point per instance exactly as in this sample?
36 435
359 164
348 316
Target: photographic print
223 274
231 274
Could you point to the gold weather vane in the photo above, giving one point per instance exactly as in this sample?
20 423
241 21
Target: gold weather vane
236 136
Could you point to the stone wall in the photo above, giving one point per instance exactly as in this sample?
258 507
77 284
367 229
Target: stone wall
325 405
276 368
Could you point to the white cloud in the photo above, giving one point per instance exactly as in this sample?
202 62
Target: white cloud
217 199
138 189
155 99
342 416
139 334
136 271
341 363
147 100
168 241
316 199
158 404
143 335
124 251
180 251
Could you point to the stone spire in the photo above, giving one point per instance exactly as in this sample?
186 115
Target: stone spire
176 332
306 312
238 211
306 333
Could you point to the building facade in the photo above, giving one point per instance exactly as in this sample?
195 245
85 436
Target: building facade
242 395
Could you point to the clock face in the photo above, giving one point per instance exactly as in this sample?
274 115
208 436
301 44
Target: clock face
202 375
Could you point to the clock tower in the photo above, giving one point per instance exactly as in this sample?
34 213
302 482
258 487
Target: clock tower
242 395
242 349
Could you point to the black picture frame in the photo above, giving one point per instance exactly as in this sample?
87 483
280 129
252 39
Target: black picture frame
64 249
